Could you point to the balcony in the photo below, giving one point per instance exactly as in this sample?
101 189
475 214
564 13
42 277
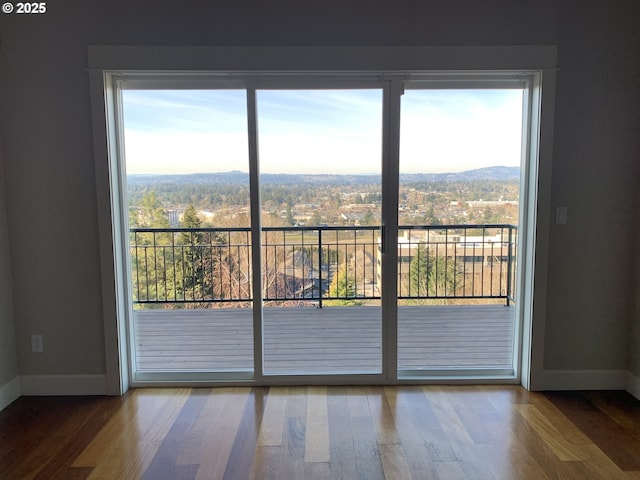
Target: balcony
320 290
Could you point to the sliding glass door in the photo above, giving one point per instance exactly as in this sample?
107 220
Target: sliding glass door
283 228
459 195
320 160
187 186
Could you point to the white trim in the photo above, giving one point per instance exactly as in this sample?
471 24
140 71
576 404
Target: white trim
583 380
112 292
633 385
526 237
534 327
9 392
389 225
317 59
255 212
40 385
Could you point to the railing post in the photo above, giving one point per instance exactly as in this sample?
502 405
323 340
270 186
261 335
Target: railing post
509 261
320 291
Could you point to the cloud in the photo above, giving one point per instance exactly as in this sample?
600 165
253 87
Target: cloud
319 131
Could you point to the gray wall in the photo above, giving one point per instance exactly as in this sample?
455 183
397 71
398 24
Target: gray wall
8 354
596 158
45 124
634 327
634 318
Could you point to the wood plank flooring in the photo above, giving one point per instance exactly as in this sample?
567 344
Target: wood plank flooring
327 340
406 432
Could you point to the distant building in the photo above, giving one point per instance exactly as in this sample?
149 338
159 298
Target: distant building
485 203
174 218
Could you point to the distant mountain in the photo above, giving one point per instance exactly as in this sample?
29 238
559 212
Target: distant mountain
236 177
486 173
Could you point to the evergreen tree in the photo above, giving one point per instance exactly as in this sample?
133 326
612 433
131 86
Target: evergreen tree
150 279
289 219
431 218
420 272
431 276
368 219
342 288
190 219
152 215
192 256
446 276
315 220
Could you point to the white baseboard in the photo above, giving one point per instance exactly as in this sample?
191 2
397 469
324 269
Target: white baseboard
584 380
41 385
9 392
633 385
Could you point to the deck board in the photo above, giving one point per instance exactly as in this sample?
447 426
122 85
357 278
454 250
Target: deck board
327 340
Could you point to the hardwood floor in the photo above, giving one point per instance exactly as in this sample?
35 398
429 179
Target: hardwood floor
419 432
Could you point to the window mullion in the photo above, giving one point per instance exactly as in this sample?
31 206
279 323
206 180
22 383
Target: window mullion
390 181
256 233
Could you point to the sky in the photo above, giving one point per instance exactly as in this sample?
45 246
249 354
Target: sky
319 131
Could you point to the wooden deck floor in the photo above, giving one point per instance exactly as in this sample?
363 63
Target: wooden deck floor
327 340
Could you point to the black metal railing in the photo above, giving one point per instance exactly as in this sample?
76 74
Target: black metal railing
190 265
326 265
335 264
457 261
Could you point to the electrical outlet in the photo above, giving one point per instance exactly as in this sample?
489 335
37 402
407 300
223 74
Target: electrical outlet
36 344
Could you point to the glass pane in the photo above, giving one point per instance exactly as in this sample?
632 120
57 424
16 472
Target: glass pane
460 155
320 174
190 245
